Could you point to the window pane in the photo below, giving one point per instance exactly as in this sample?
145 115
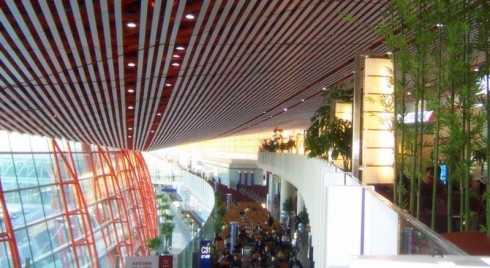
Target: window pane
23 243
39 240
58 234
7 172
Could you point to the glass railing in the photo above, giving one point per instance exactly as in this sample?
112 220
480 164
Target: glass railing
189 256
415 238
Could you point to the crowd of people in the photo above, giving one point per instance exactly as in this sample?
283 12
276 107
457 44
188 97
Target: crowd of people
263 245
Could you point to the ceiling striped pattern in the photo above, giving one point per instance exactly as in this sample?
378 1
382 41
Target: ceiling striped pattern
233 68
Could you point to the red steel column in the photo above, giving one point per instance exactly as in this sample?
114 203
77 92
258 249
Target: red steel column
121 240
88 239
122 208
9 236
89 160
127 173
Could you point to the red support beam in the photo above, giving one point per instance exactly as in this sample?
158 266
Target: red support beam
9 236
87 240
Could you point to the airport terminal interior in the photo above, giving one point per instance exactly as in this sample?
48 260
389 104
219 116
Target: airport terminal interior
232 133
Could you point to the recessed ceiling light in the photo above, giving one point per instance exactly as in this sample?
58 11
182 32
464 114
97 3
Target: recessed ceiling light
175 64
130 128
409 93
130 90
168 85
324 88
129 136
285 109
190 17
131 64
176 56
270 116
130 107
180 48
302 100
264 112
131 24
439 25
476 70
159 114
153 131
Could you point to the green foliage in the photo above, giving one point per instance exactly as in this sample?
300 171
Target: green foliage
327 134
154 243
277 143
303 217
220 211
433 44
287 205
166 229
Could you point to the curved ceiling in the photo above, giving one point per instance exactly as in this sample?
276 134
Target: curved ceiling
66 66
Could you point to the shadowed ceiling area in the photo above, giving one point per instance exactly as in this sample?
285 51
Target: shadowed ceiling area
145 75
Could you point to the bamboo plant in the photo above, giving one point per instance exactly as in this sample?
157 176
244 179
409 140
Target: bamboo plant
433 49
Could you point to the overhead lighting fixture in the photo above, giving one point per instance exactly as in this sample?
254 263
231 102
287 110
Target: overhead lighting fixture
131 25
302 100
270 116
130 107
409 93
190 17
439 25
130 128
130 90
324 88
168 85
176 56
476 70
129 136
175 64
159 114
131 64
180 48
285 109
264 112
153 131
389 53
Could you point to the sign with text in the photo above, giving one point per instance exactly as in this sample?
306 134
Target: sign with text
149 262
205 254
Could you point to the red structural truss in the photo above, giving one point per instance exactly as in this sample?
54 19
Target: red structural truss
107 203
75 210
9 236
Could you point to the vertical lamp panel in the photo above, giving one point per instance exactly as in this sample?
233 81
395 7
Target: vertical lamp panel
377 117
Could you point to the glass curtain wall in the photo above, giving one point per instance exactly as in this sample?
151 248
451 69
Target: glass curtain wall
66 204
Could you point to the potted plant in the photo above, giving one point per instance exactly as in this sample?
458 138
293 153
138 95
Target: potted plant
153 244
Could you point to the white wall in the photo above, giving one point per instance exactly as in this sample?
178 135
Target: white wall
201 190
346 220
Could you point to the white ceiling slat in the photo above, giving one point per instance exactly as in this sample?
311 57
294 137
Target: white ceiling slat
151 98
176 100
27 56
101 94
85 50
73 114
111 93
140 93
215 61
241 58
166 65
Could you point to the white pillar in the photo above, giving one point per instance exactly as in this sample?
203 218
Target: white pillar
286 190
300 203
